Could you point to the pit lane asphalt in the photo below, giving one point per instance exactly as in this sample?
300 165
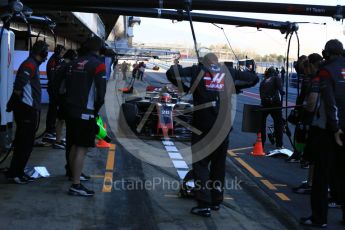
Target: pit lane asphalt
45 204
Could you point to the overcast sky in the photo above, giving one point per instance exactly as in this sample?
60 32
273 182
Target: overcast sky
312 37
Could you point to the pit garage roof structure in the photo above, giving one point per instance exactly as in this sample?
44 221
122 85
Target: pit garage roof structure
71 27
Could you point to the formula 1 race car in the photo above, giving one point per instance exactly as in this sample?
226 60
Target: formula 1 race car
161 113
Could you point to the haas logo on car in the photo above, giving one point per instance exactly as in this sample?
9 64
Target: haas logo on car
215 82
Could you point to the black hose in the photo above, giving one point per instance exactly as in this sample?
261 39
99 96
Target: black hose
193 32
38 35
298 53
287 76
287 85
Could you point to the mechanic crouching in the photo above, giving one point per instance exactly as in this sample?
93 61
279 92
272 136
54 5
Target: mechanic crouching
85 92
25 103
212 85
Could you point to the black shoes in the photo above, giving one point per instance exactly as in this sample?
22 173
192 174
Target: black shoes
304 188
80 190
24 179
59 145
49 137
20 180
83 177
310 223
294 158
29 178
214 207
201 211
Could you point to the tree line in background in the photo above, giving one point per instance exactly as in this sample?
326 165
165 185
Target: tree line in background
225 52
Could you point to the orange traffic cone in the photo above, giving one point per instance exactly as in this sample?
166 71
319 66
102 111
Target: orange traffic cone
258 149
102 143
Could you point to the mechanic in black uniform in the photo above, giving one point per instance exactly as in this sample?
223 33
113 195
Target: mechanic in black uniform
25 103
304 135
212 85
60 97
330 123
54 60
59 89
271 92
85 92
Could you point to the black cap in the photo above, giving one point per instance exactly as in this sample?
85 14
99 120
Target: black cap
70 54
270 71
39 47
58 49
314 58
334 47
93 44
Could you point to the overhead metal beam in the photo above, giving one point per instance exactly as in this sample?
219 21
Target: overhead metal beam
283 27
336 12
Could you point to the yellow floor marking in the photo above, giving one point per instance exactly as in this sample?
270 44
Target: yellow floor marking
231 153
111 158
110 161
108 182
171 196
240 149
280 185
249 168
97 176
269 185
108 177
112 147
282 196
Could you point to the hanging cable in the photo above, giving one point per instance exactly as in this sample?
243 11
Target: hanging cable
288 132
188 3
298 53
28 29
232 50
287 76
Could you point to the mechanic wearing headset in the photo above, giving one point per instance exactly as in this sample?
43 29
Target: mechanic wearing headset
212 85
25 102
54 61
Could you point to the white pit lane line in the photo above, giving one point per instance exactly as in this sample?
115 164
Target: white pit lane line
180 165
171 149
175 156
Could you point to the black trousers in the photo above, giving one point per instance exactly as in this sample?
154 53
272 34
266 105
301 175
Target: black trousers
340 174
26 121
51 114
278 126
140 75
324 163
209 174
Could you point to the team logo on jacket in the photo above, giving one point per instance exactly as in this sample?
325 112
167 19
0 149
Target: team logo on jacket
81 65
214 82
